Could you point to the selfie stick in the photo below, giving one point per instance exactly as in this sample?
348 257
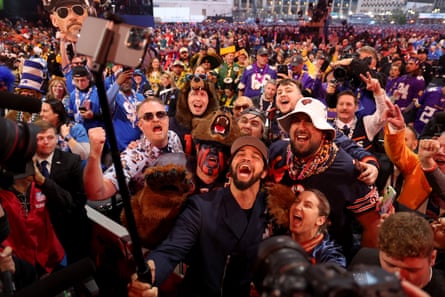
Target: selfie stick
99 61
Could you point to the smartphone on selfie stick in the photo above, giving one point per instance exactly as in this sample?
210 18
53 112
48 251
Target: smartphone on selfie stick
111 41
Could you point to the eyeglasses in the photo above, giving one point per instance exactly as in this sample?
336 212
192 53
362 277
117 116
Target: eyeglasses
63 12
149 116
196 77
239 107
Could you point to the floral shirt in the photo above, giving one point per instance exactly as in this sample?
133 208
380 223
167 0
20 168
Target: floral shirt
136 160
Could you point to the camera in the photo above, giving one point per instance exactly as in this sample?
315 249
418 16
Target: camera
283 269
352 72
128 46
17 147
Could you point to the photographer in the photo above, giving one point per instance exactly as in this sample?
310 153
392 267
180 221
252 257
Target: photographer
347 74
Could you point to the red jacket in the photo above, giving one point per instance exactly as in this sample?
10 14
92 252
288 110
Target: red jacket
32 235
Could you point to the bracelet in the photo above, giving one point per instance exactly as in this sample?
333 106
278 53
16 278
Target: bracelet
68 137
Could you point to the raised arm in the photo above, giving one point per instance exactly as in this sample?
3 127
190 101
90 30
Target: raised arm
97 187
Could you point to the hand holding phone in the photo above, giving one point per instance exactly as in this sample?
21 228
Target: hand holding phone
387 200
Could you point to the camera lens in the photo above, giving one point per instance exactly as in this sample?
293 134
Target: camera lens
17 145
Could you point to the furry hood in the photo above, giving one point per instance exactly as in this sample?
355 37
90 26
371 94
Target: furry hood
183 115
218 126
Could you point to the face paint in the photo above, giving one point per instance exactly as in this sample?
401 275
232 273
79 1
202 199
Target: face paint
211 159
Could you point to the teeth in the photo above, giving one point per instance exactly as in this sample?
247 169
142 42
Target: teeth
298 217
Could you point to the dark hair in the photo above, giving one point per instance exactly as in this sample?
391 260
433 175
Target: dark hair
324 208
58 108
348 92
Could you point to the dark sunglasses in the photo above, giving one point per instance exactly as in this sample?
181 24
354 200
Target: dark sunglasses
196 77
149 116
63 12
239 107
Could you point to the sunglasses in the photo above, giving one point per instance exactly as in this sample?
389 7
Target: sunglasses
63 12
239 107
196 77
149 116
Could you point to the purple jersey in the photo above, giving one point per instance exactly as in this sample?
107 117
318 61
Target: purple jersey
431 101
306 81
408 88
254 79
391 85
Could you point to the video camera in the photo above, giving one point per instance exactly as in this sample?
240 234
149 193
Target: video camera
352 72
283 269
17 146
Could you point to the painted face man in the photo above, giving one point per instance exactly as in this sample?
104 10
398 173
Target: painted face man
68 17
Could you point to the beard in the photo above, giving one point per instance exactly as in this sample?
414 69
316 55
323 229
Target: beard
244 185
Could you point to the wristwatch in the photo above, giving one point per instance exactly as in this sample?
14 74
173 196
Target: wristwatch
68 137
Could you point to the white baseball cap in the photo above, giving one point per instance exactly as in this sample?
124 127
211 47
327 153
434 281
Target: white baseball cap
315 109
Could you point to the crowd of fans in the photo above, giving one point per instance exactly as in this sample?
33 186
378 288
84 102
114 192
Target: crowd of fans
321 127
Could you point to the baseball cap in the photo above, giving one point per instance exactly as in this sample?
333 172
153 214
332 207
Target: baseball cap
138 72
315 109
51 5
262 51
183 50
297 60
250 141
422 50
178 63
80 71
255 111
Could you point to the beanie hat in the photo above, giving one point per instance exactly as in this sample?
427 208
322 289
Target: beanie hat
32 76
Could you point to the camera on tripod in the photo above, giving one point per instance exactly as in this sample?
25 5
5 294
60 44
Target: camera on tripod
283 269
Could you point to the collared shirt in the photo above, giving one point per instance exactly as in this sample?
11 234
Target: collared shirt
144 155
48 159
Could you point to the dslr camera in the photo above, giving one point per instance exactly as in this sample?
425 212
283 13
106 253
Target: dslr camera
17 147
352 72
283 269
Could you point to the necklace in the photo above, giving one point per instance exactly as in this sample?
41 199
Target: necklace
262 72
23 197
130 106
322 160
79 101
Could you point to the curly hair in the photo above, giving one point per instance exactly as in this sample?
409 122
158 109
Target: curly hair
406 234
